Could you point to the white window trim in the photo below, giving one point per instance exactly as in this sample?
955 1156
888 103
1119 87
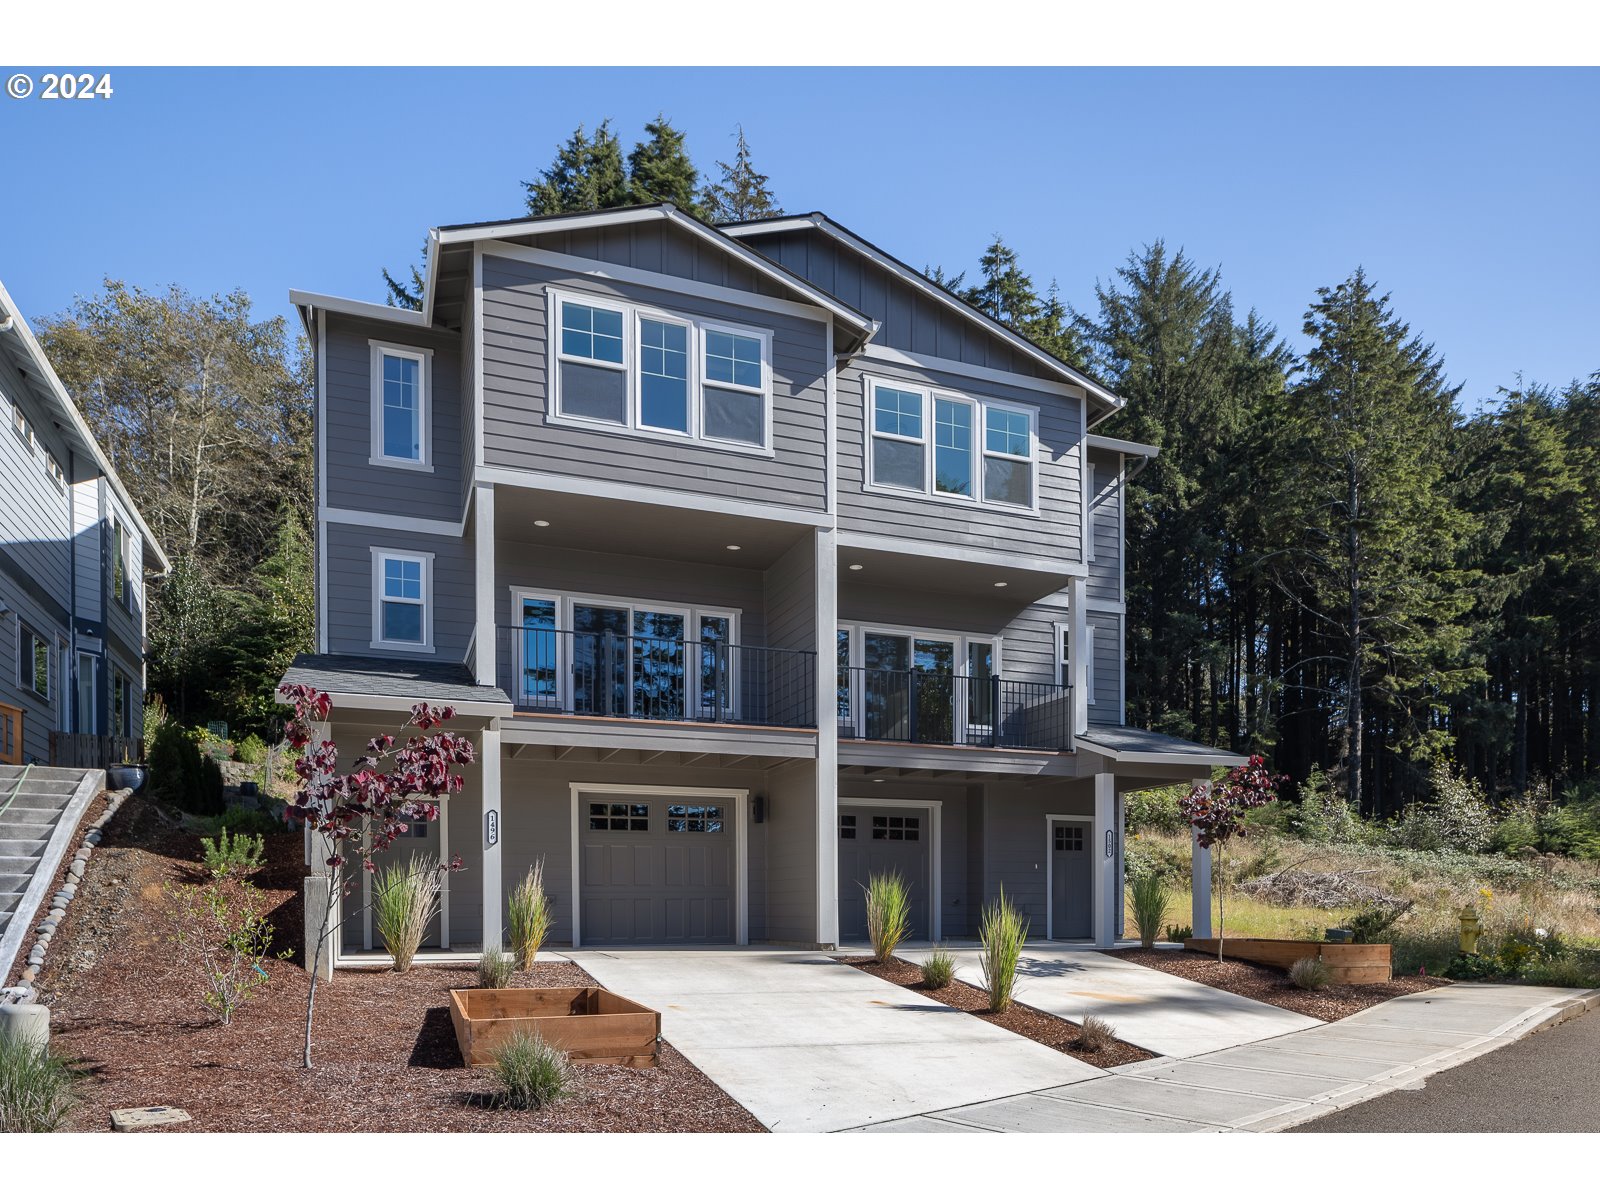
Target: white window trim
929 441
635 398
974 430
1063 638
424 359
633 426
379 554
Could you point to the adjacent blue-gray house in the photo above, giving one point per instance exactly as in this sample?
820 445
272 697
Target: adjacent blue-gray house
759 563
74 554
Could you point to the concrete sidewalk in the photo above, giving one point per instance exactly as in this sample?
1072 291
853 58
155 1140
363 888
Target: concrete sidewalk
1283 1081
810 1044
1165 1014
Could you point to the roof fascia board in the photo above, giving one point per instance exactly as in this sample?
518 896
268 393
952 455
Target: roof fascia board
358 308
1117 445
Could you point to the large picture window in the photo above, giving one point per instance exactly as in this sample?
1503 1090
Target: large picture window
660 375
950 447
399 406
401 604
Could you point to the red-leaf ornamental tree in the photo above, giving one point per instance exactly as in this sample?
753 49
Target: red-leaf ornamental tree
1216 810
360 813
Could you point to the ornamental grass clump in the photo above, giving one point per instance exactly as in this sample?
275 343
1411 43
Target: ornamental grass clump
494 968
1096 1034
938 969
37 1088
532 1073
1311 974
531 916
1151 897
888 913
1003 931
405 898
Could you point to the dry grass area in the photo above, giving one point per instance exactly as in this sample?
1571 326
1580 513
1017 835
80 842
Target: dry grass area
130 1016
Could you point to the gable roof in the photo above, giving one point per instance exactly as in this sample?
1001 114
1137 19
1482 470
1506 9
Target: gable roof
916 279
69 420
862 325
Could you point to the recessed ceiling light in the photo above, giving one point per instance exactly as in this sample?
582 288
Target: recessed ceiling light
735 547
1001 583
542 524
877 781
855 566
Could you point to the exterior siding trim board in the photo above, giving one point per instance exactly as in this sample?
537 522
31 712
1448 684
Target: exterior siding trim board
931 362
375 520
610 490
897 545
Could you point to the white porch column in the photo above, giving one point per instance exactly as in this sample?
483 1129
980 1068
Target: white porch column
826 569
484 640
1078 652
491 831
1104 858
1200 885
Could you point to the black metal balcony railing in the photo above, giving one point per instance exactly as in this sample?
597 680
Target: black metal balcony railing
658 679
953 710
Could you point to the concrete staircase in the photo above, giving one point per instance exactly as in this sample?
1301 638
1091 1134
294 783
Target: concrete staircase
40 808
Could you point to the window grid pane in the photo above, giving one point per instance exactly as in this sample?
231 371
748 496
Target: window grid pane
952 439
694 818
664 375
1007 432
593 333
896 412
732 358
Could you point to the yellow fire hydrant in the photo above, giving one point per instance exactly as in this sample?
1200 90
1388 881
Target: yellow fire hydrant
1471 927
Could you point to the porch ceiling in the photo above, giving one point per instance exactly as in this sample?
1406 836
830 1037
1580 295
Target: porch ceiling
950 572
950 764
627 756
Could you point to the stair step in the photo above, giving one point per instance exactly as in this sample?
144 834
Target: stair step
31 802
72 775
8 901
22 847
14 881
17 864
31 830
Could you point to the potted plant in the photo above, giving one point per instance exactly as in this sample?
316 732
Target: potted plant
127 774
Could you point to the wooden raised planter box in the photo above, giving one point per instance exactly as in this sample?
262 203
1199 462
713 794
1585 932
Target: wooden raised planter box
591 1024
1346 962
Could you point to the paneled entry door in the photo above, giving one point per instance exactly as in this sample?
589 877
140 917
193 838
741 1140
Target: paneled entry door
1071 879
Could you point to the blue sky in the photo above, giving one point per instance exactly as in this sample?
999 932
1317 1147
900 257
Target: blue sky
1471 195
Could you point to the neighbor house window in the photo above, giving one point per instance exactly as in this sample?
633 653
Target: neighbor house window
948 446
399 406
88 715
33 663
401 586
121 704
120 589
53 466
22 426
660 374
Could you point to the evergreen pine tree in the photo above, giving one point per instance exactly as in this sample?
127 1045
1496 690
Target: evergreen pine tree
408 295
587 175
742 193
659 169
1005 291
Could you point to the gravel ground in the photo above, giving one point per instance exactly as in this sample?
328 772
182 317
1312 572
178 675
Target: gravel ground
128 1012
1042 1027
1273 986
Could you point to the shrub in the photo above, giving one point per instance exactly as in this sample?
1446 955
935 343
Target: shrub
1472 966
1372 924
531 916
405 898
1457 818
1003 931
252 750
37 1088
888 913
532 1073
494 968
224 936
1325 815
1571 971
1154 810
1179 933
1310 974
1095 1034
237 854
1151 898
240 819
180 775
938 969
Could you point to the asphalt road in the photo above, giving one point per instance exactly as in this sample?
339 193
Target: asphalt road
1546 1083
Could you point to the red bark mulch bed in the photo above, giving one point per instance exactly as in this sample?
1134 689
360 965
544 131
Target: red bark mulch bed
1045 1028
127 1010
1272 986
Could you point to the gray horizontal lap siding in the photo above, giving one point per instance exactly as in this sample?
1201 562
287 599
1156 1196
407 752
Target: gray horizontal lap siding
1055 533
349 589
40 715
35 514
1105 569
517 436
352 481
1107 668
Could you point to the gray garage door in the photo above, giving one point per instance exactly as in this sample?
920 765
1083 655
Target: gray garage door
656 869
877 840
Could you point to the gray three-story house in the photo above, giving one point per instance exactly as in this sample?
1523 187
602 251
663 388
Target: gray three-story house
756 562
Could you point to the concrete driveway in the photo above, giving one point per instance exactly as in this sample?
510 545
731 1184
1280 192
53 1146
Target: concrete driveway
807 1043
1163 1013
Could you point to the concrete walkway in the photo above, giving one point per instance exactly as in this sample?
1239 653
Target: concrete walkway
810 1044
1285 1080
1162 1013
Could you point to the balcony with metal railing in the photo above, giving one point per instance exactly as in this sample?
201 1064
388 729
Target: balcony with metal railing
940 709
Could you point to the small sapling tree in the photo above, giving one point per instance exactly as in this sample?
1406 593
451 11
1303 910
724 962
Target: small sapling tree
1216 809
359 813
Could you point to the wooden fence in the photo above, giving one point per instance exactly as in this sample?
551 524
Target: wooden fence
88 751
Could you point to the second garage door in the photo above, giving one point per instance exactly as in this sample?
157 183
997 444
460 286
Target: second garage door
874 841
657 869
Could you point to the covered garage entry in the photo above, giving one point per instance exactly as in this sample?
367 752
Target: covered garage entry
877 838
658 866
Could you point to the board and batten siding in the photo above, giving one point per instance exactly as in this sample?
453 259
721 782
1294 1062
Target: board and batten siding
353 481
1055 532
665 249
349 584
518 436
1105 514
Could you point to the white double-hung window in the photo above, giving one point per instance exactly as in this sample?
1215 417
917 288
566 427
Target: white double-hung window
655 374
400 407
950 447
402 590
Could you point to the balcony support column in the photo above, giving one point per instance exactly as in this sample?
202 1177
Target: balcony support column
826 572
491 832
1078 652
1103 871
484 639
